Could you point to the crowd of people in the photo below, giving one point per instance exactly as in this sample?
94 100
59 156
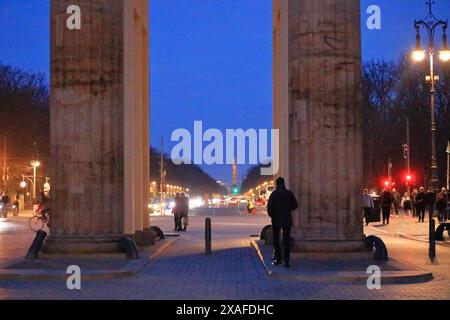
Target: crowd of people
417 204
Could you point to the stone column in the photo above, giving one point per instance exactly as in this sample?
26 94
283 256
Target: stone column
99 124
323 111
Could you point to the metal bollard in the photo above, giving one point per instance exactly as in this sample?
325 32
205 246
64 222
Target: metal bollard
33 252
432 249
208 250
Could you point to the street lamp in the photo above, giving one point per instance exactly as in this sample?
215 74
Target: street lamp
35 164
444 54
430 24
448 166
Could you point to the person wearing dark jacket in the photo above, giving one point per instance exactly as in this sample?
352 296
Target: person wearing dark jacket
185 211
368 205
177 212
386 201
281 204
397 200
441 205
430 200
420 204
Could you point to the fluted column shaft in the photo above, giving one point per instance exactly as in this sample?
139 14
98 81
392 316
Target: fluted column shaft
324 116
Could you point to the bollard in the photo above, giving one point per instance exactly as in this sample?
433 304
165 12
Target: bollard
208 250
129 246
432 249
33 252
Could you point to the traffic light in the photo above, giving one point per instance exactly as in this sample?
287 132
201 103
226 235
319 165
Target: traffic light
235 190
408 178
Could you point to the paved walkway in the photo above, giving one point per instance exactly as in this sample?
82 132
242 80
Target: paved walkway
15 239
406 227
233 272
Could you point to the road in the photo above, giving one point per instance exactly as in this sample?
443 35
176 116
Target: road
232 272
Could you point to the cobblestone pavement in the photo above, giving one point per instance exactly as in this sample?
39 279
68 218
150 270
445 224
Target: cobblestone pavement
233 272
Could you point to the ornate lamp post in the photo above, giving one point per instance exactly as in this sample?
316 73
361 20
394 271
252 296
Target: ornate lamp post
35 164
448 166
430 24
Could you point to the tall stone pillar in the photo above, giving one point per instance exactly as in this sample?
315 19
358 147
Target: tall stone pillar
99 124
319 97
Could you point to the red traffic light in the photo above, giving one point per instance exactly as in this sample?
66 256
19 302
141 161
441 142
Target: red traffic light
386 183
408 178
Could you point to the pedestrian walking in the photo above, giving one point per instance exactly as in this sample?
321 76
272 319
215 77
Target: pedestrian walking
4 204
177 212
441 205
184 211
406 204
16 207
430 201
420 204
280 206
397 200
386 200
413 201
368 206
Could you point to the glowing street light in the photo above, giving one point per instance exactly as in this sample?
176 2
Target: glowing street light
431 24
444 54
35 164
418 54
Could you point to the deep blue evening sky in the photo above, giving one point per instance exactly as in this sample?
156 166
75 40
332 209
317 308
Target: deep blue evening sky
211 60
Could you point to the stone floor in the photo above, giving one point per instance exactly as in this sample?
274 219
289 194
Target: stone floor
234 272
406 227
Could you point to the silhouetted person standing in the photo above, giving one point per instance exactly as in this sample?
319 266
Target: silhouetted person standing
368 205
386 200
441 205
430 200
281 204
184 211
397 200
420 204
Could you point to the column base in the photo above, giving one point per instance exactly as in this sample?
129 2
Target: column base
81 245
332 250
329 247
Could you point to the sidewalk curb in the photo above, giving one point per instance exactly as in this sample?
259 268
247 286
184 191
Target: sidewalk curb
132 268
357 277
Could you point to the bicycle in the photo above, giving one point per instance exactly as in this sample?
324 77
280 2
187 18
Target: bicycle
39 220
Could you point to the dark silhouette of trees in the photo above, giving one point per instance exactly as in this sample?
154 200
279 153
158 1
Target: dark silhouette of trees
393 92
24 114
253 179
184 175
